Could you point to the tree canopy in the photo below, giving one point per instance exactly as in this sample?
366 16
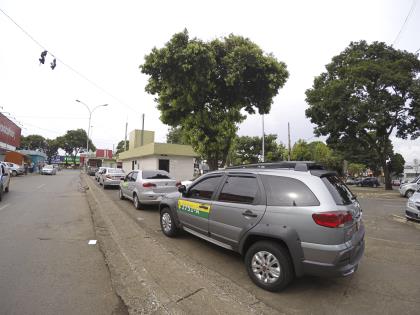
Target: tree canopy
33 142
74 142
247 150
205 87
367 93
121 146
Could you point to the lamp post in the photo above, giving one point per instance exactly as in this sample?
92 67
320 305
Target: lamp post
90 118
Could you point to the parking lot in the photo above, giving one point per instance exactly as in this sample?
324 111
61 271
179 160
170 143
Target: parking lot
385 283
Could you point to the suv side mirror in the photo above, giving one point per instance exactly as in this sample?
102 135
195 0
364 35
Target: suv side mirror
182 189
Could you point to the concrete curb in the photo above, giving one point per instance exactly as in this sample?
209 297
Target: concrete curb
152 279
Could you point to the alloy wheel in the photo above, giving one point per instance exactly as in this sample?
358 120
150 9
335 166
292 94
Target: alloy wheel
265 267
166 222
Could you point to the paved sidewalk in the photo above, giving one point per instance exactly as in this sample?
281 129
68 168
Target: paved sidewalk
151 278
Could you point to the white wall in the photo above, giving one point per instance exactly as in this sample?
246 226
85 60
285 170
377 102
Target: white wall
180 167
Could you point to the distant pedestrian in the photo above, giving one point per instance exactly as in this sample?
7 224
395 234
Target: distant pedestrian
26 168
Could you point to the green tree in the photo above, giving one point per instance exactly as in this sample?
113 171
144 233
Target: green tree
121 146
74 142
356 169
205 87
301 151
396 165
177 135
367 93
51 149
33 142
247 150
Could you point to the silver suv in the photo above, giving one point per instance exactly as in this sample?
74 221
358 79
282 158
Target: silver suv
287 219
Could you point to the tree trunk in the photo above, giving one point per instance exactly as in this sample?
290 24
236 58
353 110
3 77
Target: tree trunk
213 164
388 185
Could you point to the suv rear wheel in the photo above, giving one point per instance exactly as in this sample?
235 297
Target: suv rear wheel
167 223
269 265
121 195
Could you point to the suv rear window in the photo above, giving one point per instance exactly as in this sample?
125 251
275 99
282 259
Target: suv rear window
286 191
341 194
155 175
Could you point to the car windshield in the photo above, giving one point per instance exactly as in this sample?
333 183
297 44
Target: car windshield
48 166
341 194
415 179
155 175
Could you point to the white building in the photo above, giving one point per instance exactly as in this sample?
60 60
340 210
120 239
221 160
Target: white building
145 154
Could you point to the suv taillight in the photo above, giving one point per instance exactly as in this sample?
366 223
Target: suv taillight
149 185
332 219
178 184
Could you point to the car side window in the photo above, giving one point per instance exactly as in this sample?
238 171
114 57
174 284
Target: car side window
134 176
285 191
205 188
239 189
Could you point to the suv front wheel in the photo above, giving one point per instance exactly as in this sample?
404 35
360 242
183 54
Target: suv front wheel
269 265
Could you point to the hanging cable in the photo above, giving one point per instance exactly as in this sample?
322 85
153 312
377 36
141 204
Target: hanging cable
413 5
54 63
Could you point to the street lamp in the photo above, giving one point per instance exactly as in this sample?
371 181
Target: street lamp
90 117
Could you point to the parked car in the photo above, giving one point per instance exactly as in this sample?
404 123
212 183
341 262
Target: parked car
368 182
111 177
146 187
98 173
287 220
91 171
408 189
4 179
412 208
395 182
48 170
351 181
15 169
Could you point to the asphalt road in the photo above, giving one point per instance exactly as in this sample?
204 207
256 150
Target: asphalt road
386 282
46 264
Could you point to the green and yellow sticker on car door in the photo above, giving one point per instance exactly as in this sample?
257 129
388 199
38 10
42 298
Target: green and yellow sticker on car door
194 208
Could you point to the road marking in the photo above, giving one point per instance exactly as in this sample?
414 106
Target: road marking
404 220
140 219
92 242
40 186
5 206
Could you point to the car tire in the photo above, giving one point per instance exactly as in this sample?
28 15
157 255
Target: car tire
269 265
167 223
1 193
7 188
121 195
137 203
409 193
14 173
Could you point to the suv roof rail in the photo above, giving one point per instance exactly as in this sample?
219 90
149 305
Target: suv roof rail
301 166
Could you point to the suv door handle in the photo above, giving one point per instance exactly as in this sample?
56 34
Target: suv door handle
249 213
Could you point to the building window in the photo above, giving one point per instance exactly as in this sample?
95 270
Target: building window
164 165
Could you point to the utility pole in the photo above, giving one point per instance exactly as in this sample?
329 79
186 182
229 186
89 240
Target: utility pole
125 139
142 130
263 136
288 137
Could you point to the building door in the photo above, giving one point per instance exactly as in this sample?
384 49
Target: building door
164 165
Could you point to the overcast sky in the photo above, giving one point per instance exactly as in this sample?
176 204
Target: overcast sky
105 42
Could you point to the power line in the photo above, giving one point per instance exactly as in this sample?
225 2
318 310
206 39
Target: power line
413 5
68 66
